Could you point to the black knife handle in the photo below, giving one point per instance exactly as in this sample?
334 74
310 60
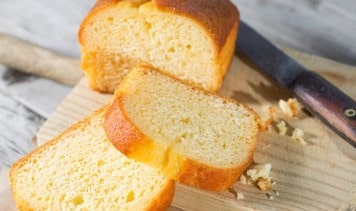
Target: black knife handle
328 103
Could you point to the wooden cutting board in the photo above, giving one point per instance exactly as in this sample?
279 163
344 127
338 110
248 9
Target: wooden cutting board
318 176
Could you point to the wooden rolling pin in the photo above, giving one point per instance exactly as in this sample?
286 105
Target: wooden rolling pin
29 58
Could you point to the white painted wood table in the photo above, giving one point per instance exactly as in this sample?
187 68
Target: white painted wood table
323 27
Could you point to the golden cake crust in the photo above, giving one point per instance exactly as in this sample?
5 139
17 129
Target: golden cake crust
218 19
217 16
136 145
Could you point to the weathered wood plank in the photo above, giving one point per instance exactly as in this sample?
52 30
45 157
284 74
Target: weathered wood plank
38 94
20 124
25 102
51 24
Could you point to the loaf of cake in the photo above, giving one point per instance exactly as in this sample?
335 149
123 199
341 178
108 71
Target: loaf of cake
192 40
81 170
192 136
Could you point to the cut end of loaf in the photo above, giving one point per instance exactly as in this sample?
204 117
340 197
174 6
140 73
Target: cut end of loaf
194 47
81 170
194 134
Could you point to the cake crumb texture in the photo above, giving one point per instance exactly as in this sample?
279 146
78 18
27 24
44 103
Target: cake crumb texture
81 170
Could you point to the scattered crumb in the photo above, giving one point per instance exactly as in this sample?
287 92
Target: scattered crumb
267 117
262 170
259 175
298 136
237 195
276 192
264 184
282 128
243 180
291 107
240 196
273 182
270 197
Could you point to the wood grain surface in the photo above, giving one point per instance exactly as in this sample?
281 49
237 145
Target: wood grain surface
318 176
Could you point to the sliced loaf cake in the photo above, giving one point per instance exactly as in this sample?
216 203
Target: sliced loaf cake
193 137
192 40
81 170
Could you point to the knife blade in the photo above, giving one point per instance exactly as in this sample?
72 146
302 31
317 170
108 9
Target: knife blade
319 96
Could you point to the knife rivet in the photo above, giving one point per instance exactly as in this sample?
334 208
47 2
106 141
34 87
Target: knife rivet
350 112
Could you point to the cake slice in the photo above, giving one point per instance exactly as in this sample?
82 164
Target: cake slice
192 40
193 137
81 170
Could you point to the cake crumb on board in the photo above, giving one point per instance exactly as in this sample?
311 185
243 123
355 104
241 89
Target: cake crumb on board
291 107
237 195
268 115
282 128
260 176
298 135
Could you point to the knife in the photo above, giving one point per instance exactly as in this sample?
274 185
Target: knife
319 96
